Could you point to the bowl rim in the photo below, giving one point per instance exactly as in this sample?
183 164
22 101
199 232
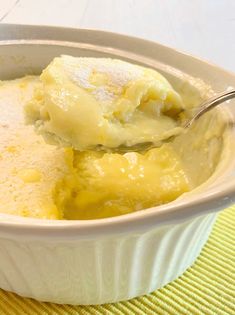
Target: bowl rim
171 213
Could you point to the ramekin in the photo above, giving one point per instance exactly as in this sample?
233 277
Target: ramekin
113 259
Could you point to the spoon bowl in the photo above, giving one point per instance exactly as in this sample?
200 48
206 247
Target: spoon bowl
200 110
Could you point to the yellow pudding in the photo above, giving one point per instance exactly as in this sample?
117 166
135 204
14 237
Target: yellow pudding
103 185
51 182
91 102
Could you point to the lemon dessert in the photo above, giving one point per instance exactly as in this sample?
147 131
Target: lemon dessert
79 106
29 167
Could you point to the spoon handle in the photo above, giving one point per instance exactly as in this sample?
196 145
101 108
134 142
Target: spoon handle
211 103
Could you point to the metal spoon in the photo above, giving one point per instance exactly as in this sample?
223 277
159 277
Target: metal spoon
201 110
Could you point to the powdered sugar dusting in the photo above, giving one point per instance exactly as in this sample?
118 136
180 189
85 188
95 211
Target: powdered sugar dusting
102 94
81 76
22 149
119 74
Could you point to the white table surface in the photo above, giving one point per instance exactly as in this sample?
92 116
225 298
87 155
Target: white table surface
205 28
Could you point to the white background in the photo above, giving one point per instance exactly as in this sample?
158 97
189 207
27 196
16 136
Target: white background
205 28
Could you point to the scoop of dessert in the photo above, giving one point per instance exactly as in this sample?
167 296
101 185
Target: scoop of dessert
93 103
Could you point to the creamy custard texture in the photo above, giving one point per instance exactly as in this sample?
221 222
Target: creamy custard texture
81 102
90 102
103 185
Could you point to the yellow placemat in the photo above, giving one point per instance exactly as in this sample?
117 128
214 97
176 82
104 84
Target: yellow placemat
208 287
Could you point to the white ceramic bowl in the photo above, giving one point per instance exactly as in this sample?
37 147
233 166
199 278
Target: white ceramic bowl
113 259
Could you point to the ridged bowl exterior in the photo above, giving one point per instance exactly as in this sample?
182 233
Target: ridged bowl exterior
101 270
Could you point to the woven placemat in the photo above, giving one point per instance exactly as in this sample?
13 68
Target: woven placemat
208 287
